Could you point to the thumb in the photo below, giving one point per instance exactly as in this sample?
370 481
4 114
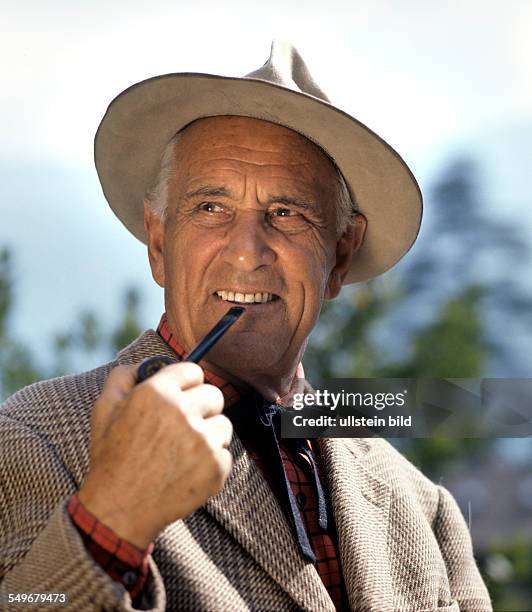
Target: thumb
119 383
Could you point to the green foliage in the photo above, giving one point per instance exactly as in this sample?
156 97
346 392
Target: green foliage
129 326
90 332
17 366
508 571
6 290
342 344
450 346
71 347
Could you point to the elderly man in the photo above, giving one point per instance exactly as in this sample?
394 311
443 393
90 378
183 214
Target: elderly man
178 492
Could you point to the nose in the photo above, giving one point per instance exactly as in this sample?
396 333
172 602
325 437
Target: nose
248 241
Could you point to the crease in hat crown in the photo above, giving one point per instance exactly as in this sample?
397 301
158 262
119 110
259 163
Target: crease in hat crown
140 122
286 67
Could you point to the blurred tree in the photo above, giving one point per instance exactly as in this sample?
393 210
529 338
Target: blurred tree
508 571
17 366
450 346
88 336
71 347
434 314
466 244
129 326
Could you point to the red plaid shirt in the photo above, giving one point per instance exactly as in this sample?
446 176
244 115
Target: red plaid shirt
128 565
123 561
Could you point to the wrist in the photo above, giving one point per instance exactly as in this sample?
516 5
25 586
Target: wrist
123 562
117 517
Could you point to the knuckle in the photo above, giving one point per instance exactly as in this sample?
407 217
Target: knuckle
198 439
227 423
214 396
151 395
225 427
146 391
190 372
211 453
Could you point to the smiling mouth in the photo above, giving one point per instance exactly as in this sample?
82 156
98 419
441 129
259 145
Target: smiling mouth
260 297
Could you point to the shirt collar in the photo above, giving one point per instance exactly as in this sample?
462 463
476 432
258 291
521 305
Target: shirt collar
230 392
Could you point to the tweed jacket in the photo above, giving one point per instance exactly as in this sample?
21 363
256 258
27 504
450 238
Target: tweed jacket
404 545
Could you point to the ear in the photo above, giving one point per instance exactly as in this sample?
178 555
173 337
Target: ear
346 247
154 228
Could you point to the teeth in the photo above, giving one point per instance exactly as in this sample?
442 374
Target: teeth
245 298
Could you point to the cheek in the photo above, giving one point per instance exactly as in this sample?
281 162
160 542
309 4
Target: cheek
325 257
310 262
172 272
184 252
318 259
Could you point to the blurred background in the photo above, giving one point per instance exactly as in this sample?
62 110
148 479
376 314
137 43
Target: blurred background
447 84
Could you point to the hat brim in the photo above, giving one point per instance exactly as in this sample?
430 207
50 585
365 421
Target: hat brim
140 122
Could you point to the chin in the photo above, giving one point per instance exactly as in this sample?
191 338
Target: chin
245 356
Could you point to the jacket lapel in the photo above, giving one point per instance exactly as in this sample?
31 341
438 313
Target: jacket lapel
248 509
361 505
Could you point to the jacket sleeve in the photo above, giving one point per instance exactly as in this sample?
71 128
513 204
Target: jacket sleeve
40 549
452 533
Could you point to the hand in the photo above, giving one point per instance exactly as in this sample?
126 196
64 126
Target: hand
158 450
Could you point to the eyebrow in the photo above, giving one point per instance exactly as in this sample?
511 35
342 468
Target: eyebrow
213 191
208 190
291 201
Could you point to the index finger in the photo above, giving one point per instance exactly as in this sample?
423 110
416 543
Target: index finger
185 374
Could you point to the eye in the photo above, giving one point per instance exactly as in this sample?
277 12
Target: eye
283 211
212 214
210 207
288 219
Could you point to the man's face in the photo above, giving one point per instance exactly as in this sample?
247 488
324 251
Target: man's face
251 211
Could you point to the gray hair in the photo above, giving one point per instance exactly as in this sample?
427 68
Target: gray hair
157 196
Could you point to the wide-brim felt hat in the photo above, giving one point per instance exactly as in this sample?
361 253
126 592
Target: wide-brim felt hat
141 121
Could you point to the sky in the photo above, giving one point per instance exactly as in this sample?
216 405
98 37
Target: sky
436 80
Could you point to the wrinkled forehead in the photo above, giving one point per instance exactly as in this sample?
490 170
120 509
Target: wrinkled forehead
227 145
263 141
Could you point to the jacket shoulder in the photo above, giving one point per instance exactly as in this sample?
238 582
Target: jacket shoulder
407 482
55 396
72 395
59 410
54 416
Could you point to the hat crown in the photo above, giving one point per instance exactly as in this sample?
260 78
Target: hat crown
287 68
